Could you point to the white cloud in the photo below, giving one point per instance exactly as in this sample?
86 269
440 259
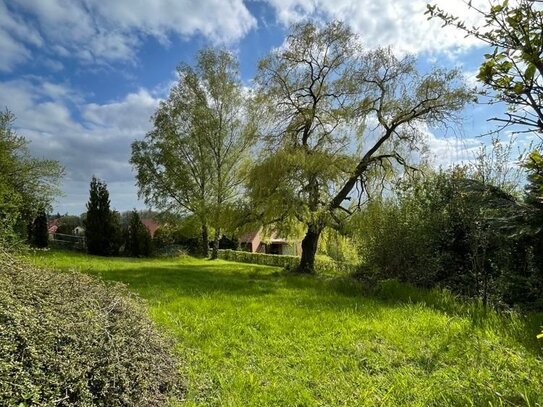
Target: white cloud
397 23
97 31
99 144
131 113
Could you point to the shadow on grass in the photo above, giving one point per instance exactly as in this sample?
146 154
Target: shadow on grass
165 282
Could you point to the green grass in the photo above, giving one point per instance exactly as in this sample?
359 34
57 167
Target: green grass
253 336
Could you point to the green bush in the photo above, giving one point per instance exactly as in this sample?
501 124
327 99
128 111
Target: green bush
451 231
70 340
286 262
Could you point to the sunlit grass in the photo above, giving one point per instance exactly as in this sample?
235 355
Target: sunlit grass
253 335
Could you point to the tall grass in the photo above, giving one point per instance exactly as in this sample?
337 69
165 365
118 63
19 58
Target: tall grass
253 335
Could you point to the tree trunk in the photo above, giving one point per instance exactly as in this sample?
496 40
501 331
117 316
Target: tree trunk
205 241
215 252
309 249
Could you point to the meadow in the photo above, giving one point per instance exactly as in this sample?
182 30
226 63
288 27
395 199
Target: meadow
256 336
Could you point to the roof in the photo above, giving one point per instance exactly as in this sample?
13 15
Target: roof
52 226
249 236
151 226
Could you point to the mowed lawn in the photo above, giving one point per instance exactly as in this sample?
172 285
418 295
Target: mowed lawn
252 335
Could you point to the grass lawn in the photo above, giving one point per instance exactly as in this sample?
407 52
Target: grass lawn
251 335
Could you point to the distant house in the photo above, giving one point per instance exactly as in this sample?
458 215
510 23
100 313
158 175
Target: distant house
151 226
52 226
254 242
79 231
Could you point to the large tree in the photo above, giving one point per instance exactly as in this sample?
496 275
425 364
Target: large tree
190 161
27 184
334 115
513 71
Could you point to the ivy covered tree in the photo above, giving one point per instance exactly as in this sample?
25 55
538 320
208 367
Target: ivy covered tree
334 116
513 71
102 225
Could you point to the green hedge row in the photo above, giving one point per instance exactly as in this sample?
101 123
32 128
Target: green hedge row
289 262
260 258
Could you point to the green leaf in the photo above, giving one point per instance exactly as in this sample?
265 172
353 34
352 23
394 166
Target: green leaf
529 73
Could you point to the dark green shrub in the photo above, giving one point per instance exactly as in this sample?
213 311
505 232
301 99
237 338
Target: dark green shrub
138 242
102 225
177 235
451 231
70 340
40 234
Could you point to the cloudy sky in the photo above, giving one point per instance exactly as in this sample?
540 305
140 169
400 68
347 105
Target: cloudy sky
84 76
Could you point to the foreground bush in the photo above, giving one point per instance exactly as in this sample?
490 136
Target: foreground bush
68 339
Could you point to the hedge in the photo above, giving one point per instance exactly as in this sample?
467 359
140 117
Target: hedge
288 262
67 339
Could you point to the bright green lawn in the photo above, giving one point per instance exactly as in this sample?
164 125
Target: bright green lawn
252 335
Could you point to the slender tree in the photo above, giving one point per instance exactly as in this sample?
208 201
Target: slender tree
190 161
333 117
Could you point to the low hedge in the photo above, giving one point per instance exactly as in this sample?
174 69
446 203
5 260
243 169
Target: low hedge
67 339
259 258
287 262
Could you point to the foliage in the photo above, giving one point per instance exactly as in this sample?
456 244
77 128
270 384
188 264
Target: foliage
181 234
68 223
68 339
251 335
27 184
289 263
102 225
317 94
40 233
138 242
450 230
514 69
190 161
337 246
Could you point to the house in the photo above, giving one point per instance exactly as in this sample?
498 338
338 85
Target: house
79 231
52 226
255 242
151 226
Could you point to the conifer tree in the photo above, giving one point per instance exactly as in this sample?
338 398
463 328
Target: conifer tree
40 235
102 227
138 238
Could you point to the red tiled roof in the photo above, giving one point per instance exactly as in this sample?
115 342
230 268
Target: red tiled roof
151 226
52 225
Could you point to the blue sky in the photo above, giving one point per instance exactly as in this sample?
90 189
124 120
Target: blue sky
83 77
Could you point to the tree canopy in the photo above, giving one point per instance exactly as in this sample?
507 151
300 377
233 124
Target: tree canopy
190 162
27 184
333 117
513 70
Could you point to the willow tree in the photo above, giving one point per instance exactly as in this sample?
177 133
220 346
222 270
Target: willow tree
333 116
190 162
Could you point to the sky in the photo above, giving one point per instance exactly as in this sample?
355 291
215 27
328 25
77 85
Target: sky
83 77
